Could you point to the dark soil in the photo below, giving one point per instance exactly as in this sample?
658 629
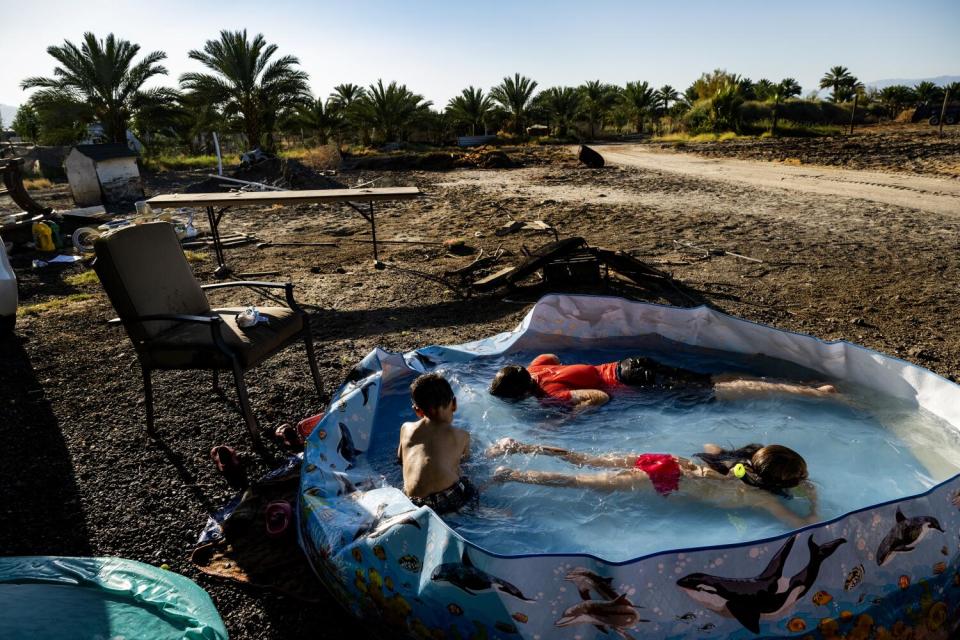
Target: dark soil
80 477
913 149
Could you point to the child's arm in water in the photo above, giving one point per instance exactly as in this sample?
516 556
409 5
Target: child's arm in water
583 398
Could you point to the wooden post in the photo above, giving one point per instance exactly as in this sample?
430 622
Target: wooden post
943 110
776 103
853 114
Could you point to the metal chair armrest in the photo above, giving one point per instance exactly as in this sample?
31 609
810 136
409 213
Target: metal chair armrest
286 286
213 321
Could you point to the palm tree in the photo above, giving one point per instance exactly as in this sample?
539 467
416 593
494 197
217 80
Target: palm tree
514 95
895 98
471 107
725 107
641 97
928 93
390 110
598 99
101 74
665 95
842 83
789 88
562 104
247 83
322 118
343 100
706 86
763 89
345 95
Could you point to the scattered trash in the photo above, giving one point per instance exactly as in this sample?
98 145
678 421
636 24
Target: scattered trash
288 436
714 252
229 465
254 155
43 237
589 157
278 515
306 426
514 226
251 317
64 259
458 247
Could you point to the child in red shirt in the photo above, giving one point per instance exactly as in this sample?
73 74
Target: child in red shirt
586 385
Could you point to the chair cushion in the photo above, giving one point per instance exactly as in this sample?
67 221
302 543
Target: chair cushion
190 345
144 272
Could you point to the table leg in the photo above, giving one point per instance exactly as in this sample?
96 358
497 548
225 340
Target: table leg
222 270
373 234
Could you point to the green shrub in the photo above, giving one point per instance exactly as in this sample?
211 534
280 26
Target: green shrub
697 119
753 110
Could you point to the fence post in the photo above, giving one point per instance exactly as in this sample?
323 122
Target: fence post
943 110
853 114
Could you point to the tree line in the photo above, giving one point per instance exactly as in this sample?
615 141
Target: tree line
247 87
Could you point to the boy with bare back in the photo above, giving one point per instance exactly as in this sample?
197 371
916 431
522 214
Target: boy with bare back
431 449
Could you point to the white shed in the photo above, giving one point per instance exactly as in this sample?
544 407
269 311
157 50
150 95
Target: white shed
103 174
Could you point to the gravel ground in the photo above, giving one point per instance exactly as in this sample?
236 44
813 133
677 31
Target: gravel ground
80 477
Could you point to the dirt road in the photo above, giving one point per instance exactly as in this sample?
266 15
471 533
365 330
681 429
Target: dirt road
935 195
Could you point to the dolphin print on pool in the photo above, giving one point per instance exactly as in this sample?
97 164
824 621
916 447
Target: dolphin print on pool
905 535
467 577
380 523
585 581
617 614
768 595
345 447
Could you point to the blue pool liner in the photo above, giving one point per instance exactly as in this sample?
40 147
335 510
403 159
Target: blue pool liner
889 570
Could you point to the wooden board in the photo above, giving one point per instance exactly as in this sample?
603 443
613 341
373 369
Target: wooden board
264 198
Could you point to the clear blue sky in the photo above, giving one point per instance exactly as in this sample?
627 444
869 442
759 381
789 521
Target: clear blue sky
438 48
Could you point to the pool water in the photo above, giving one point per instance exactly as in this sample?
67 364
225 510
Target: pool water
861 449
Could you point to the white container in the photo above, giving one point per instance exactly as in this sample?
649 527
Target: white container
8 292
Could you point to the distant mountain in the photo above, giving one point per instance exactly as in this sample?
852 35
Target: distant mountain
7 113
939 80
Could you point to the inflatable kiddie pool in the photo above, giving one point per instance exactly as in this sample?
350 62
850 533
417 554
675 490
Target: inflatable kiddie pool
58 598
889 570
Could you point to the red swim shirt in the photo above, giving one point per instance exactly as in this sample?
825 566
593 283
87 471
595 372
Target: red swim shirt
558 380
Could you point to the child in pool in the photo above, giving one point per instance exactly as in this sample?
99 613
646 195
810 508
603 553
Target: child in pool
431 449
585 385
752 476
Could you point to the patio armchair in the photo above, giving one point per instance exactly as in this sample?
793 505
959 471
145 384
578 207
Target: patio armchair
168 317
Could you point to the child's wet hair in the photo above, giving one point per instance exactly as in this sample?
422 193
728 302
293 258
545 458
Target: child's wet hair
772 467
511 382
430 392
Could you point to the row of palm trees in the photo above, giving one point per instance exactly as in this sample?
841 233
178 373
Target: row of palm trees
247 86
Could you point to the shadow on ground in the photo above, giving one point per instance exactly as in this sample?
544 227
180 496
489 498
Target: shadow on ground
41 510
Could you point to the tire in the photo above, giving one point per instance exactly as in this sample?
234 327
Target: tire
7 323
950 118
934 120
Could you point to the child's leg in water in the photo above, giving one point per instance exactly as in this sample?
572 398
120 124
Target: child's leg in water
608 481
509 445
